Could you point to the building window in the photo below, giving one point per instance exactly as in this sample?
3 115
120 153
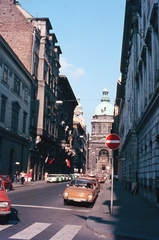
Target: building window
36 61
26 93
3 108
15 116
99 129
24 121
5 73
16 85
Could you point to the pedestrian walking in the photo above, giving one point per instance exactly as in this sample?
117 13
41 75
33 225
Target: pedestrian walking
22 177
16 177
29 177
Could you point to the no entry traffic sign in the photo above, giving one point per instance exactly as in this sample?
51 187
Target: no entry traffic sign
113 141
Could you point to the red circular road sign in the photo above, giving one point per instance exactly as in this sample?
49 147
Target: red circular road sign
113 141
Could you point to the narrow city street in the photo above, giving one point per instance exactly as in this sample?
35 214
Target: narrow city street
79 120
38 213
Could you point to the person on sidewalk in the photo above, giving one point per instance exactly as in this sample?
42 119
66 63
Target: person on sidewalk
29 177
16 177
22 177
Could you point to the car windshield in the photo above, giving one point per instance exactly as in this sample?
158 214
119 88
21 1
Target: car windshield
52 175
1 186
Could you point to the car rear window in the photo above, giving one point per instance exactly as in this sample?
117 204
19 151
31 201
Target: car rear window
79 183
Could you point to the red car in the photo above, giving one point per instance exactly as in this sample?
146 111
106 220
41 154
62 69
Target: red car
7 181
101 178
5 204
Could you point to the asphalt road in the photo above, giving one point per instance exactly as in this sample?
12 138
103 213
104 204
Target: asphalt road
38 213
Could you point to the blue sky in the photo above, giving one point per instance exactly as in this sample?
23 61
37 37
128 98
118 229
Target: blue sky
89 33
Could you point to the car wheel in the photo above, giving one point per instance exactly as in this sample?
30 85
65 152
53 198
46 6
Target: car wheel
11 187
65 202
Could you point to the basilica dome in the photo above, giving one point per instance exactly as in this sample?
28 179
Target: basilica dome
105 107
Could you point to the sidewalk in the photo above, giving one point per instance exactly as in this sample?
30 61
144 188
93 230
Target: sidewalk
17 185
133 217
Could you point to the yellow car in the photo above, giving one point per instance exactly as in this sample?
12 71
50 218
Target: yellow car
94 180
80 191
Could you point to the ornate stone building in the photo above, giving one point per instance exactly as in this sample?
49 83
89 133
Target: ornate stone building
100 156
79 139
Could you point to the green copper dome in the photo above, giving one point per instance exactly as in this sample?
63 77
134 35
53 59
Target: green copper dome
105 107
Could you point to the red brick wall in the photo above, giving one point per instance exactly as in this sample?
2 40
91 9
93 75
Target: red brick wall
17 31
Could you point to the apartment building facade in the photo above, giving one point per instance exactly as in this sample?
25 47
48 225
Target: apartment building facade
16 85
34 44
137 109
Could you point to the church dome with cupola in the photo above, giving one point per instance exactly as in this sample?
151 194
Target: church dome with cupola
99 155
104 107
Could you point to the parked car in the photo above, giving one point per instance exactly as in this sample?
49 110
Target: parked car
101 178
5 204
71 176
63 177
80 191
60 178
7 181
94 180
77 175
52 178
67 177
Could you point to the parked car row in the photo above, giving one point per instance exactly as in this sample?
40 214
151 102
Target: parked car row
83 189
59 177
